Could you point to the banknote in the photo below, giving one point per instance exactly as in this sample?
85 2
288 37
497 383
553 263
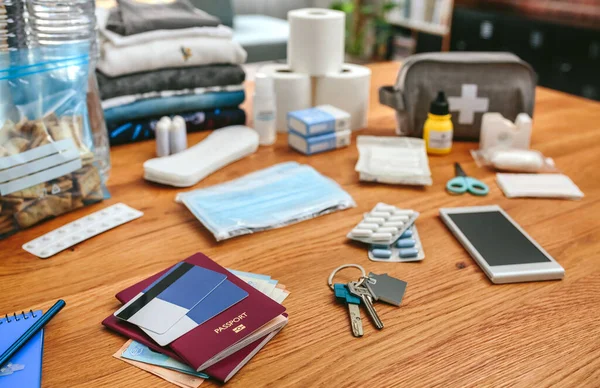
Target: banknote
180 379
249 274
279 295
138 352
263 283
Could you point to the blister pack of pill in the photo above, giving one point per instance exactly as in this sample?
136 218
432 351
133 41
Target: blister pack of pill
77 231
406 249
383 225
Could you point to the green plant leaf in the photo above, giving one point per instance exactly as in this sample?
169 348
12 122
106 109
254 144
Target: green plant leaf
336 5
345 6
388 6
367 10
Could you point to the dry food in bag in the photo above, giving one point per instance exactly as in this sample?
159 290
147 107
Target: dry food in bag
47 161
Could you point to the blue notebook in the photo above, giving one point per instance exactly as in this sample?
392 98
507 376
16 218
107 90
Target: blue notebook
24 370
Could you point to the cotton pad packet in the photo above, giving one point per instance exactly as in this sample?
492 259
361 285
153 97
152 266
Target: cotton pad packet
186 168
393 160
277 196
538 186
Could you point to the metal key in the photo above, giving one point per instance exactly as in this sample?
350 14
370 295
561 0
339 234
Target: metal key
343 295
357 289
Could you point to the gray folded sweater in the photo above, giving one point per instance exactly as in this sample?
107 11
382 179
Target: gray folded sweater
170 79
131 17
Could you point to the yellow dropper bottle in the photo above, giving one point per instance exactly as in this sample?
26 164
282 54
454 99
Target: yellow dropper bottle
438 128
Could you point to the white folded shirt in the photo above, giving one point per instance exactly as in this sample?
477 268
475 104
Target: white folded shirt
538 186
117 40
164 53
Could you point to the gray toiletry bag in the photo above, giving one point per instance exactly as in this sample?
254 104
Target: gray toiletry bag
474 83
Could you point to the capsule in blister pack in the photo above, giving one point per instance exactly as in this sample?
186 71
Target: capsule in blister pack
383 225
407 248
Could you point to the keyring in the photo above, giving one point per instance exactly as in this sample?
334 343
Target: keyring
330 280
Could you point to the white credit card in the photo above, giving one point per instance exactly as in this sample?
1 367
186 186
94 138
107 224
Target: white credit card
220 299
162 304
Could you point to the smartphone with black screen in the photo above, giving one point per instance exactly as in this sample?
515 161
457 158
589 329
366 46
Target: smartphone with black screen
505 252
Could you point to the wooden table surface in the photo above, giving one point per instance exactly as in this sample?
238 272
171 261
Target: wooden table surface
454 328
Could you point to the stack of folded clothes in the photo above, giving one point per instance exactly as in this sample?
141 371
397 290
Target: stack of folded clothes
163 60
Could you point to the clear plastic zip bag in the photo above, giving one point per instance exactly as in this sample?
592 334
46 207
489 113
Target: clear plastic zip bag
47 161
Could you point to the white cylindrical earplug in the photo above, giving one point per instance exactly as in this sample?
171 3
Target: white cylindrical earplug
162 130
178 135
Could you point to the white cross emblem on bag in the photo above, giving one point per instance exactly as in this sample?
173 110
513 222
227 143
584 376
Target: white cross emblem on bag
468 104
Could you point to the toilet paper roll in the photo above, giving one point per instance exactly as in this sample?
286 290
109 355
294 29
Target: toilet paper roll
347 90
293 91
316 42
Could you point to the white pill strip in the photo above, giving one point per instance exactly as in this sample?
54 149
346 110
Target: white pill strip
80 230
383 225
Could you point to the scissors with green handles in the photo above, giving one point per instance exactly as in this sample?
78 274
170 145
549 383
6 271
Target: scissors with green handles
462 183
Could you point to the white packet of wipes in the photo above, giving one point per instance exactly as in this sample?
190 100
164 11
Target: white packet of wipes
538 186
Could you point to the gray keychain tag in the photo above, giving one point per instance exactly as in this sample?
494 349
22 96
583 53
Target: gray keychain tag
386 288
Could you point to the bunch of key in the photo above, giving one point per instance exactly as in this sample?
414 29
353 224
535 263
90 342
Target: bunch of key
364 292
390 234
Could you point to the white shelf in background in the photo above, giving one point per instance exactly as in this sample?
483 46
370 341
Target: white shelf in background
421 26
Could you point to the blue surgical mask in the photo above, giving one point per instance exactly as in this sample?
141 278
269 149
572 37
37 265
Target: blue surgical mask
274 197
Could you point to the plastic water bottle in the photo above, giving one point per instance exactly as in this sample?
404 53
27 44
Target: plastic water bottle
54 22
13 35
51 23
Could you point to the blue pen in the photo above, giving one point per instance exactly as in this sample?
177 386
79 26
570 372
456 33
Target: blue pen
6 356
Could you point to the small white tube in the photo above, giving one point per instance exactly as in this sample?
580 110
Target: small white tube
178 135
264 110
162 137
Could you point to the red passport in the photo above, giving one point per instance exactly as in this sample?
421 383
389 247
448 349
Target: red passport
245 323
222 370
